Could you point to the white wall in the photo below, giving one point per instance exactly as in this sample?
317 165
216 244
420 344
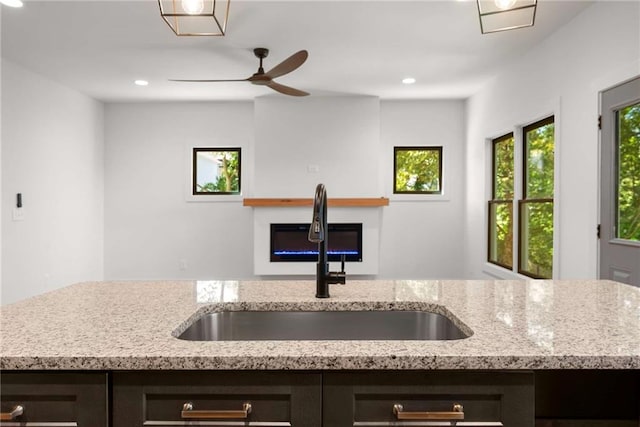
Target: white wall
339 135
150 227
422 236
52 153
151 230
562 75
1 205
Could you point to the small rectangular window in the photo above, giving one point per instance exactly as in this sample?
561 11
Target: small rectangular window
501 203
536 207
417 170
216 171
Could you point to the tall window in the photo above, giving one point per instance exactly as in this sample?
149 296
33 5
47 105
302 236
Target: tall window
536 207
417 170
501 203
216 171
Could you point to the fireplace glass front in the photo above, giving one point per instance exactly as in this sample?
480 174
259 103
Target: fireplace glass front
289 243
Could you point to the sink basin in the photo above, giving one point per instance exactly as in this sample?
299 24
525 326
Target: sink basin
322 325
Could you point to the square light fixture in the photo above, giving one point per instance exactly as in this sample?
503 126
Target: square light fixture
502 15
196 17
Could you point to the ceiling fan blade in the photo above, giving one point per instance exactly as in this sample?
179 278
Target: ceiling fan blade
286 89
208 81
288 65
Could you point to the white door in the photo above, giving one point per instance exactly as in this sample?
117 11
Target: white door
620 183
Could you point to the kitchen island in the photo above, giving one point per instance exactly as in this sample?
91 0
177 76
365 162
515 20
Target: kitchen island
128 330
512 325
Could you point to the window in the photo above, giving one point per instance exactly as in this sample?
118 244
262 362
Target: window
417 170
501 203
627 200
216 171
536 207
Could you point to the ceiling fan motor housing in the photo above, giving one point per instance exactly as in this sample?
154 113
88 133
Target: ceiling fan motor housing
261 52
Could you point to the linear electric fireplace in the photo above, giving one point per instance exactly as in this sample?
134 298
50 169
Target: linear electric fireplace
290 243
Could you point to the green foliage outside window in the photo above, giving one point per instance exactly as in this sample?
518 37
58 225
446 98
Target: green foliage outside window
539 143
418 170
629 173
536 252
503 164
501 207
216 171
536 223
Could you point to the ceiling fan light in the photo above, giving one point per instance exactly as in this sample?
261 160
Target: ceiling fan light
196 17
497 15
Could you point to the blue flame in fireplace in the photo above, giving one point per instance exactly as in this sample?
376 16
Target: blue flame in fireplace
315 252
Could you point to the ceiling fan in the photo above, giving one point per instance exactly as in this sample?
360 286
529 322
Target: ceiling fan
266 79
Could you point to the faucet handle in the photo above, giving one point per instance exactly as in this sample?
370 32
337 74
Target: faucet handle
337 277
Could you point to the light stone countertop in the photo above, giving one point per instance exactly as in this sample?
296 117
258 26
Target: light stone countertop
534 324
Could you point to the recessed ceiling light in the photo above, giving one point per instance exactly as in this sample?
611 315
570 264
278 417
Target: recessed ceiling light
141 82
408 80
12 3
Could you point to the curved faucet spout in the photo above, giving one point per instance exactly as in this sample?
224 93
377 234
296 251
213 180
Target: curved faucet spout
319 233
318 226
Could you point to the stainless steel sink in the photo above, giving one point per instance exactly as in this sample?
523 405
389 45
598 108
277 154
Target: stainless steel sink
322 325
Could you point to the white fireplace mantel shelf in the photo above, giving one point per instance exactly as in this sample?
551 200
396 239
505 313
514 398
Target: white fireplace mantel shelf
332 202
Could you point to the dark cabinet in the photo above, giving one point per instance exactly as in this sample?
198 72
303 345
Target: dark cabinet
476 398
60 399
268 399
587 398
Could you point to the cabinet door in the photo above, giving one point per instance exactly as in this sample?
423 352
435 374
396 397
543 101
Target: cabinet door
428 398
54 399
588 398
267 399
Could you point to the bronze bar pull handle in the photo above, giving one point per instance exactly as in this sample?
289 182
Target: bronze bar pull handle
10 416
456 414
189 413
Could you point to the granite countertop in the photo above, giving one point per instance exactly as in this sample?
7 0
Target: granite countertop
534 324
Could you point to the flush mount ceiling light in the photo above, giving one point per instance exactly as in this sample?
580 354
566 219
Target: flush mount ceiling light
502 15
196 17
12 3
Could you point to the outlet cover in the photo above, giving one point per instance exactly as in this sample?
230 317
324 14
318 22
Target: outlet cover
17 214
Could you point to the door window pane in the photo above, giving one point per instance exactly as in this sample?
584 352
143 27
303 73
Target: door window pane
628 173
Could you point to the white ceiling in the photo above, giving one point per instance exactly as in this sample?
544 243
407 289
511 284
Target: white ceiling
357 47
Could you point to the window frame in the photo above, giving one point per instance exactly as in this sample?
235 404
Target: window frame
493 201
194 171
525 200
438 149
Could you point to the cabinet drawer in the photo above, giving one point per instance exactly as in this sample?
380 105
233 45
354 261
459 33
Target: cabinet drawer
54 399
266 399
429 399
